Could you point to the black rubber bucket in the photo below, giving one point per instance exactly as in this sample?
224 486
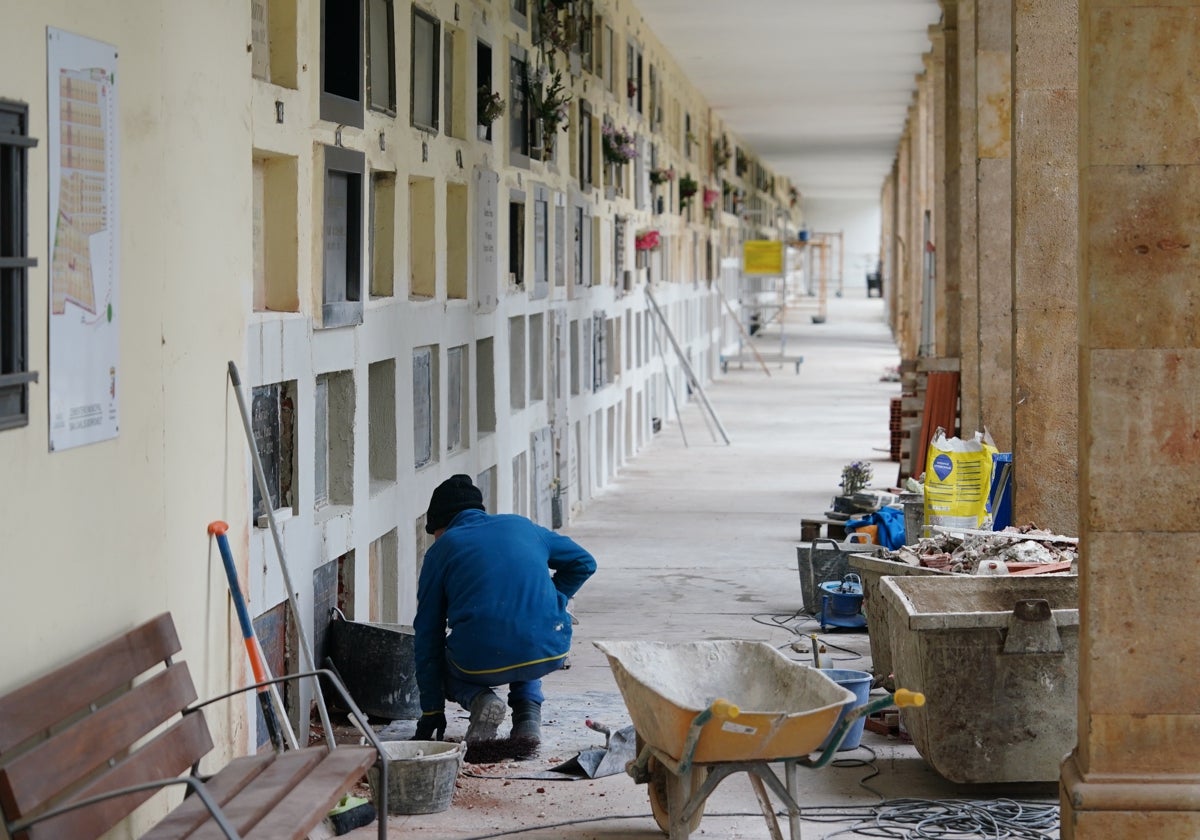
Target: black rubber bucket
377 664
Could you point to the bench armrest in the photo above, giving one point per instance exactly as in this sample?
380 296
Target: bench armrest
191 781
360 720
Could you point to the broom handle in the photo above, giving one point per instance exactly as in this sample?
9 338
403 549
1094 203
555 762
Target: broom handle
258 662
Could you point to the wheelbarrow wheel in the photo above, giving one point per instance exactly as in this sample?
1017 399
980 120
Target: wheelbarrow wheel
660 778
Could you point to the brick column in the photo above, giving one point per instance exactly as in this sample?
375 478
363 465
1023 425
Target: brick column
1135 773
1045 271
993 86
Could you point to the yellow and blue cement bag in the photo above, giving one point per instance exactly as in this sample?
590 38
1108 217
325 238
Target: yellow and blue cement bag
958 476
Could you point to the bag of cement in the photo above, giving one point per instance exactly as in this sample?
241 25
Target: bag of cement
958 477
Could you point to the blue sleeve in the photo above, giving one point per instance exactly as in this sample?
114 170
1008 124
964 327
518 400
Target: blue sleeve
429 628
571 564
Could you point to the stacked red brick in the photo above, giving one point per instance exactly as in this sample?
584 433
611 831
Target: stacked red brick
896 428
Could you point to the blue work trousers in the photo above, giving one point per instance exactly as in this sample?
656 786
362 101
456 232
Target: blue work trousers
524 682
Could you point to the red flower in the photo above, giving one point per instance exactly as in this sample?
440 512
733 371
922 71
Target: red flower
646 241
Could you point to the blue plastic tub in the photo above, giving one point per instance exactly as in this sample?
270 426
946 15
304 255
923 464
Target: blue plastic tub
860 683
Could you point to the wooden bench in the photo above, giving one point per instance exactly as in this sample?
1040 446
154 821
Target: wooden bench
83 746
812 526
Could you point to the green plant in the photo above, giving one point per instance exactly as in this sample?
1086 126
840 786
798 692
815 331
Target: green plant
856 476
548 100
489 105
688 186
721 151
661 175
741 163
553 31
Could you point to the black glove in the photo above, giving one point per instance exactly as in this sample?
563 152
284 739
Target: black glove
429 723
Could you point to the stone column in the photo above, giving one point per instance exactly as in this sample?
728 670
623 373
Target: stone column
1045 272
906 338
947 181
993 85
1135 773
888 243
967 198
921 230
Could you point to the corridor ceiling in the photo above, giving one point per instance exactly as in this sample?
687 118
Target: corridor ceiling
818 89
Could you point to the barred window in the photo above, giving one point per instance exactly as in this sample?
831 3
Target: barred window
15 263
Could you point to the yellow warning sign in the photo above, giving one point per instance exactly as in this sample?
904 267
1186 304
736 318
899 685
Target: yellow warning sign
762 257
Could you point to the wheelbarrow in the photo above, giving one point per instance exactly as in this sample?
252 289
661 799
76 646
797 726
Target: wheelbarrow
703 711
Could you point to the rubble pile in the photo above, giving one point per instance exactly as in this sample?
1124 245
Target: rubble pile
1020 550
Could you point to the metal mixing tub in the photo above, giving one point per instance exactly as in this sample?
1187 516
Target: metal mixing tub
997 659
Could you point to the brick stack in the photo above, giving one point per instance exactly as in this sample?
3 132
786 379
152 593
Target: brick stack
895 428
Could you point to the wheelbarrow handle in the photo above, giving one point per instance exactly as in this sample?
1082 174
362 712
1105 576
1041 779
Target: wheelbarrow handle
903 698
719 709
722 709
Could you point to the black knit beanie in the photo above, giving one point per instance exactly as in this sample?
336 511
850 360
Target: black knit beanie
455 494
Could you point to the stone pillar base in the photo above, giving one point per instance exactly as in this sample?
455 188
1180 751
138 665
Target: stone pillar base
1127 807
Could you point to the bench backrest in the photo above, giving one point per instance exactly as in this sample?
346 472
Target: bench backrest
72 733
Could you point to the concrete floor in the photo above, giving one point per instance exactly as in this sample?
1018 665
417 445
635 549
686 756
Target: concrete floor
699 542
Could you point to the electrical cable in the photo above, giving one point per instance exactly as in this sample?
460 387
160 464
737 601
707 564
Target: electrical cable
543 826
783 622
780 621
891 819
850 761
895 819
955 819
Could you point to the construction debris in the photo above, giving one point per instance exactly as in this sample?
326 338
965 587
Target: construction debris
1023 550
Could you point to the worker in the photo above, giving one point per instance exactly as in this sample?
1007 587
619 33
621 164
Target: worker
491 610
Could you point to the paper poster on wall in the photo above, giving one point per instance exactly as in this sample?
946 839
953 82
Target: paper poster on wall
81 76
762 258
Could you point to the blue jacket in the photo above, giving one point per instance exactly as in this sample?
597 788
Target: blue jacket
487 579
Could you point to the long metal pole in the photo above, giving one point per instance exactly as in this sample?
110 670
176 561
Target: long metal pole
261 478
670 388
687 368
737 320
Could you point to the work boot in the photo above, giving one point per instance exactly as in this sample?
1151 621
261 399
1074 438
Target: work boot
487 711
527 720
